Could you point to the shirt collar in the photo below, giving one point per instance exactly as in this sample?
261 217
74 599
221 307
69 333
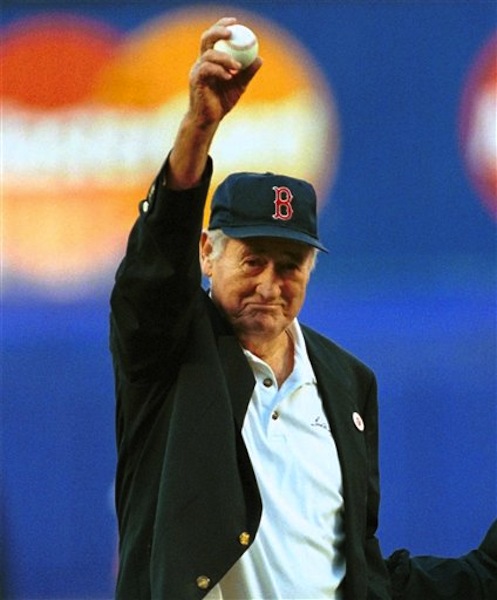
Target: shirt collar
302 370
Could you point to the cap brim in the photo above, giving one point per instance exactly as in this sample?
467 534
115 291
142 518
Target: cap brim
241 233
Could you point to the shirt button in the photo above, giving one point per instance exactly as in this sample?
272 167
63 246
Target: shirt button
244 538
268 382
203 582
145 206
275 415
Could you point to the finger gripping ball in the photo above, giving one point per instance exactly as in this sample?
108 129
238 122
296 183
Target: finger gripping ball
242 45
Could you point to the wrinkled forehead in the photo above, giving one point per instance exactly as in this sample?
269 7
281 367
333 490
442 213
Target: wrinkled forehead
272 247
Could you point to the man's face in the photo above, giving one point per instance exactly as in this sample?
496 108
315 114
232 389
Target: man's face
259 283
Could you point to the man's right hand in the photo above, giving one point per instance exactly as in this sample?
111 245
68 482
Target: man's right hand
216 85
216 80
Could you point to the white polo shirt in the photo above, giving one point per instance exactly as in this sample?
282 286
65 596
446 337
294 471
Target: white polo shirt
298 550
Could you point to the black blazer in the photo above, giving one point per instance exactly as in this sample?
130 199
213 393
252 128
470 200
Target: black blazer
185 488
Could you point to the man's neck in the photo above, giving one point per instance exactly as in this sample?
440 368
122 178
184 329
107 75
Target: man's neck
278 353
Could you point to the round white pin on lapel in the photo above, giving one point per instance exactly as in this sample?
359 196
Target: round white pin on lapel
358 422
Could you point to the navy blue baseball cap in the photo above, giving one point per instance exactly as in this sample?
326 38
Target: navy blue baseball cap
247 205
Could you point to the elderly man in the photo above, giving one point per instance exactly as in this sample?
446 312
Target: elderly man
247 443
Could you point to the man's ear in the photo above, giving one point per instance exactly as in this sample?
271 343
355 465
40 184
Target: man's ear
205 251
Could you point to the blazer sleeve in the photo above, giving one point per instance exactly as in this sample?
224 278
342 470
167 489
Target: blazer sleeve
152 298
469 577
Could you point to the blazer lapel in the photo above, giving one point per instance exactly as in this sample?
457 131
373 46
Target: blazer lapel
341 409
238 376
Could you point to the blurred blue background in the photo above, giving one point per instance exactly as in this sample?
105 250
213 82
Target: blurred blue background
409 286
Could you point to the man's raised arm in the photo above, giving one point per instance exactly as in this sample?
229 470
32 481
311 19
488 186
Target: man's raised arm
216 84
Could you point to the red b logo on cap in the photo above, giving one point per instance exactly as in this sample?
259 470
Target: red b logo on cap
282 203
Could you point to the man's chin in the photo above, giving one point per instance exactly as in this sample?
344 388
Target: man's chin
261 324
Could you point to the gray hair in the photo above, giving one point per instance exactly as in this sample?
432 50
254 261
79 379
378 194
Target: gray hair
218 240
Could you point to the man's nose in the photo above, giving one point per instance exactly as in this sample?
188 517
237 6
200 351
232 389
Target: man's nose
268 285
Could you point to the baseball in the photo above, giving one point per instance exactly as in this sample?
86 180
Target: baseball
242 45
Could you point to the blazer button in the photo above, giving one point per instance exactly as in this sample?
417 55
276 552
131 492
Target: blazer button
244 538
203 582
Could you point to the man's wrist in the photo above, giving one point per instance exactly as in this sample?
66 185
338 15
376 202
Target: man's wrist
190 152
